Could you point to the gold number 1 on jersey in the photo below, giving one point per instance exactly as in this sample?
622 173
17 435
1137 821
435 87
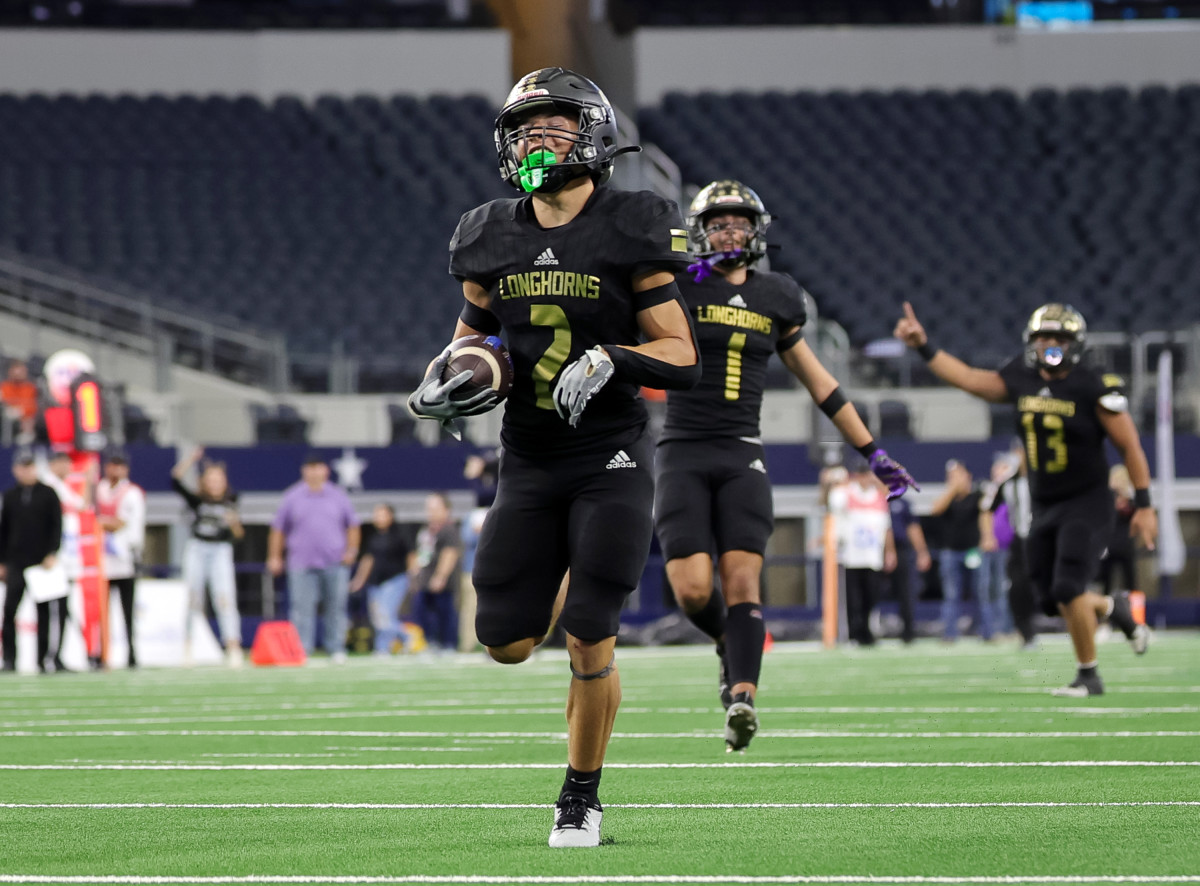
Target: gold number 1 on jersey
733 365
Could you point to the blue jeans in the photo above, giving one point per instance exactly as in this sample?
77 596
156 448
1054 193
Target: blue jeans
438 617
993 591
329 586
383 605
956 578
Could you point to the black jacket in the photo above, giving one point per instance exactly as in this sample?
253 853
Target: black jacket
30 524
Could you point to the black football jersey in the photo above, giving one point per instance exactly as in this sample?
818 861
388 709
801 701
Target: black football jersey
558 292
1057 421
738 329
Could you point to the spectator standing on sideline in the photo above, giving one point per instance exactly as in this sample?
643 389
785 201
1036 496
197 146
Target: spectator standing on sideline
20 396
482 471
317 525
995 540
384 571
1117 571
121 513
30 534
912 557
1066 411
1015 511
712 491
865 545
580 278
959 558
58 468
438 558
208 565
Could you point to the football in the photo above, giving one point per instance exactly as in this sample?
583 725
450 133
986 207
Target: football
488 361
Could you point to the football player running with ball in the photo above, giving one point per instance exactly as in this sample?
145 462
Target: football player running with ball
713 491
580 278
1064 411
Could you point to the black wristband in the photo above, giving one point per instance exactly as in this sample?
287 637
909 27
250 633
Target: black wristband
867 449
1141 498
835 401
927 351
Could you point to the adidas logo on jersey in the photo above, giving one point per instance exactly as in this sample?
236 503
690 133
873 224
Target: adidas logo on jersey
546 258
757 465
620 460
737 302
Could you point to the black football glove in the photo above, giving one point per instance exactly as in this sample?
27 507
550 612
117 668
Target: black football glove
432 398
580 382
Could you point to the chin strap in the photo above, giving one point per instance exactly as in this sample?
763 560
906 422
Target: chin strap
600 674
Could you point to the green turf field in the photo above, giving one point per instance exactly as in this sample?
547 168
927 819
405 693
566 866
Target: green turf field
928 764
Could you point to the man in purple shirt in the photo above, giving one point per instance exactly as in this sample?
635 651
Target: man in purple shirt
317 525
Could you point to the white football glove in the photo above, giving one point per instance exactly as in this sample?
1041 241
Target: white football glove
432 399
580 382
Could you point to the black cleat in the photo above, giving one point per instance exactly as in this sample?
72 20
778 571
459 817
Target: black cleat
723 679
741 722
1082 686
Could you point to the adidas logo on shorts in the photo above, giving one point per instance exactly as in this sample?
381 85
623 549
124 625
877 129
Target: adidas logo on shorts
737 302
546 258
757 465
620 460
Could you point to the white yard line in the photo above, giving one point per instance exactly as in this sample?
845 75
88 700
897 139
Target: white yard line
132 880
832 764
430 806
509 737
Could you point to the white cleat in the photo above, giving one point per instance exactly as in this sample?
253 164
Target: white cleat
1140 640
576 823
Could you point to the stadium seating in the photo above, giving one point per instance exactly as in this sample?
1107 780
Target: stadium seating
976 206
329 220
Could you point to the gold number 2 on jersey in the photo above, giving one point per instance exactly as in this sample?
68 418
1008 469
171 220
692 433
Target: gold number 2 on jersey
555 355
1055 443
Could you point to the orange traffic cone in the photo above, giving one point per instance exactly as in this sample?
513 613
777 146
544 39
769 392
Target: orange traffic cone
768 642
277 643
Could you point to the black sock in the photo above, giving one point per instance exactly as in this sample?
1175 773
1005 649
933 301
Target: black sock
744 637
711 618
584 784
1089 671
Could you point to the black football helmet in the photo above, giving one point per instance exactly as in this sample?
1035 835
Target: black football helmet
570 94
1056 319
721 197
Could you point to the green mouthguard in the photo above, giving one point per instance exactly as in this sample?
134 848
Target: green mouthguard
531 172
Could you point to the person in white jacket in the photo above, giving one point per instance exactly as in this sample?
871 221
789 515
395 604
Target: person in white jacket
121 512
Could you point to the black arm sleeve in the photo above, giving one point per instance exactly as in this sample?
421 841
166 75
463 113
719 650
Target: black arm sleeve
652 372
479 318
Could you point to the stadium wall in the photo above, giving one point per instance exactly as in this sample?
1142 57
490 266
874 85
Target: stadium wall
265 64
970 57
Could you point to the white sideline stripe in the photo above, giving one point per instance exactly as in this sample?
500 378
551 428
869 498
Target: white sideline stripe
427 806
496 710
129 880
699 734
846 764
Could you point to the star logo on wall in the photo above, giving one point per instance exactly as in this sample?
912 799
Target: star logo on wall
349 469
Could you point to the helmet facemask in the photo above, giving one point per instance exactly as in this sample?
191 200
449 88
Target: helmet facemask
727 198
1062 322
